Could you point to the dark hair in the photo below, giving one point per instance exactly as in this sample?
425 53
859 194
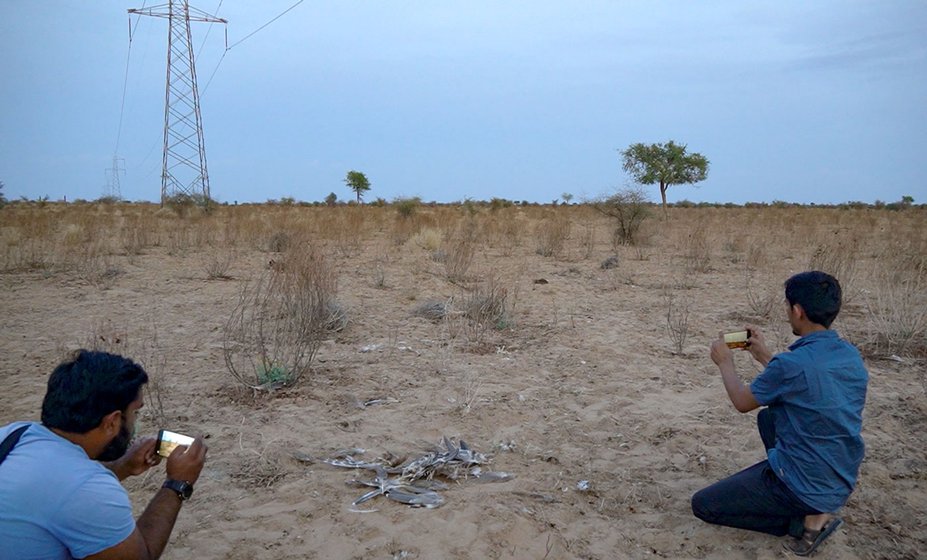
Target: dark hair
87 387
818 293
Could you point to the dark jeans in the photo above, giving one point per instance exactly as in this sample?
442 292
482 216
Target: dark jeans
755 498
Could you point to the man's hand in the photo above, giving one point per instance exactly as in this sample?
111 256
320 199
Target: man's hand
186 462
740 394
756 345
720 353
140 457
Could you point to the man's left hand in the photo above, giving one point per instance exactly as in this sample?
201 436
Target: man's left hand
141 456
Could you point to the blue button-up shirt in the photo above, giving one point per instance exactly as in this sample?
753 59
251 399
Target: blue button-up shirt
816 393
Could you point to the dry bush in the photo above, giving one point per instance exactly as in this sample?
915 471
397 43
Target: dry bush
217 263
458 257
698 250
28 234
677 319
551 234
761 297
349 232
136 236
628 209
179 240
428 239
485 308
280 320
459 252
379 273
756 256
95 265
404 229
587 240
278 242
897 307
840 258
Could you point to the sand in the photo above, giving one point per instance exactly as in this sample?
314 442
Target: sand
582 384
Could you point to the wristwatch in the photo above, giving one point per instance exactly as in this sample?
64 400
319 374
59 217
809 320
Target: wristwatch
184 489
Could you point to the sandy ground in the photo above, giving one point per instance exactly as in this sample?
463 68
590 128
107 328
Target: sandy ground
583 385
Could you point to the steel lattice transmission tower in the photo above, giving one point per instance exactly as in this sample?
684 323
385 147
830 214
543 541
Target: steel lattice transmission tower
184 160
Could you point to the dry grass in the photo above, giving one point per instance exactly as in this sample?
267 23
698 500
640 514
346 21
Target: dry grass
551 234
97 243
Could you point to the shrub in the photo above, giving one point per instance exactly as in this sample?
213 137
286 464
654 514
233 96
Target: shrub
897 308
183 203
677 321
698 250
840 259
550 235
407 207
458 258
279 322
629 208
485 307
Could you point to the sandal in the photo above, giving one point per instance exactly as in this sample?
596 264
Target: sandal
811 539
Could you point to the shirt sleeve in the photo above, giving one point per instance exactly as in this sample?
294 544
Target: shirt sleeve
780 378
95 517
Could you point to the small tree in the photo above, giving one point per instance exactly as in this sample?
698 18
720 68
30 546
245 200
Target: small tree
2 198
331 199
357 182
630 208
666 164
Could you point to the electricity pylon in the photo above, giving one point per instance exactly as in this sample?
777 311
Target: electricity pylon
183 169
112 189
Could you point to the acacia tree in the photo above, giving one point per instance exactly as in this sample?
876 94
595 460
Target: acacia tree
666 164
357 182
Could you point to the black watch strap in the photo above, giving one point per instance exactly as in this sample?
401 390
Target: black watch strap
184 489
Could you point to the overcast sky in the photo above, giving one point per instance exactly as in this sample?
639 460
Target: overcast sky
820 102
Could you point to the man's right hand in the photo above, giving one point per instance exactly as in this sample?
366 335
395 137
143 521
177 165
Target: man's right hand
186 462
756 345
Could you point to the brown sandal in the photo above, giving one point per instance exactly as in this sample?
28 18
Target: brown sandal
810 540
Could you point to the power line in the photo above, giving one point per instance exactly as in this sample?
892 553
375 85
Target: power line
265 25
240 41
125 82
208 29
214 70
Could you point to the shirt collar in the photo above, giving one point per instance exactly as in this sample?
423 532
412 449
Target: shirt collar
812 337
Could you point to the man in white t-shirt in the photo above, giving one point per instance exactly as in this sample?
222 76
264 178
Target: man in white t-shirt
60 495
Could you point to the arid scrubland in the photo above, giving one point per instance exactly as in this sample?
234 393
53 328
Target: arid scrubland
529 331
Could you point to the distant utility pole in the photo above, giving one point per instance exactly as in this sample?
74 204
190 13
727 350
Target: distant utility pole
184 159
112 189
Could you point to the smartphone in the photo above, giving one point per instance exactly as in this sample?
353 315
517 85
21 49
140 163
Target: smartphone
737 339
168 441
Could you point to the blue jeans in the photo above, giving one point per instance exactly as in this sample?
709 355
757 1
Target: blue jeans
755 498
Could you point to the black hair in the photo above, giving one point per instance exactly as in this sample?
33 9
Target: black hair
87 387
818 293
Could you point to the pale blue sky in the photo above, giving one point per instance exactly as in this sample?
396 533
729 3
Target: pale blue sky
820 102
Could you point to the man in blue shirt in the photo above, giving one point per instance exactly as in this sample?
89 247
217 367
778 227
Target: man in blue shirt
60 496
814 396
